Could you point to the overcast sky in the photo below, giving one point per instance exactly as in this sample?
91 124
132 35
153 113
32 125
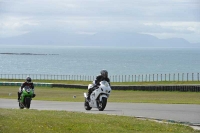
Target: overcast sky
160 18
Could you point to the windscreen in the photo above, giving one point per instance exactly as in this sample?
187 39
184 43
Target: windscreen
105 83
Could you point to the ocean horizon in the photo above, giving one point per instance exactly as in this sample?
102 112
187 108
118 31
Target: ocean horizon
66 60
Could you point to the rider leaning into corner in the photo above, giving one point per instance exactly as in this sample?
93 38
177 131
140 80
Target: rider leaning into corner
26 83
103 76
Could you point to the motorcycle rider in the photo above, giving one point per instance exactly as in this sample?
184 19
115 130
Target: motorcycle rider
26 83
103 76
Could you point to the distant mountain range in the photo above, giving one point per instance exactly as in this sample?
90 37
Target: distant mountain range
98 39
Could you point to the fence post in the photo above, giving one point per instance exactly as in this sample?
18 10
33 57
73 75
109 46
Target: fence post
149 77
153 77
135 78
198 76
187 76
165 77
132 78
157 77
161 77
169 76
192 76
178 77
174 76
146 78
142 77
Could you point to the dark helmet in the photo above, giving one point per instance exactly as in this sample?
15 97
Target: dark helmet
28 79
104 73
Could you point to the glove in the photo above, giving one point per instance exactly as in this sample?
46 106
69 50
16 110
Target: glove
34 95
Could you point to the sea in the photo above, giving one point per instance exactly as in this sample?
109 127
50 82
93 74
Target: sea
65 60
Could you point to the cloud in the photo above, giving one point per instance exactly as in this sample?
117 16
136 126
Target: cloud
86 33
168 17
175 27
14 26
188 30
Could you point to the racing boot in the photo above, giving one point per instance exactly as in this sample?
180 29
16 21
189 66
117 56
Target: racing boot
19 94
88 95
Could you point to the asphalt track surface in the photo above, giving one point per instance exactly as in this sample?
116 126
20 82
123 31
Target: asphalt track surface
182 113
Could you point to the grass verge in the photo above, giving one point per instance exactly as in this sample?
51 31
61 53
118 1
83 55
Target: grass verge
66 94
35 121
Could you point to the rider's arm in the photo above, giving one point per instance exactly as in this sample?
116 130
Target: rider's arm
108 80
32 86
22 86
97 80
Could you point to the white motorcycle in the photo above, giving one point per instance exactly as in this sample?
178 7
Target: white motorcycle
98 98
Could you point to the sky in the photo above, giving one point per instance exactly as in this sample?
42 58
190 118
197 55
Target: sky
160 18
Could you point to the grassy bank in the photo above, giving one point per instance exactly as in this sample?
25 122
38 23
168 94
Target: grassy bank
66 94
34 121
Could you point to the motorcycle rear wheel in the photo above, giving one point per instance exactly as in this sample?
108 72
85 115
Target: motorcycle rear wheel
86 105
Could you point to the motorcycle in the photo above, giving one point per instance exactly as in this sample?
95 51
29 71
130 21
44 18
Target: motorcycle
26 97
98 98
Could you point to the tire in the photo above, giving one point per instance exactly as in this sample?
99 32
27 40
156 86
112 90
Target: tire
87 106
101 105
21 106
27 102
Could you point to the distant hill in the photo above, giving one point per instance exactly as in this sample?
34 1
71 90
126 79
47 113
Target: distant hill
98 39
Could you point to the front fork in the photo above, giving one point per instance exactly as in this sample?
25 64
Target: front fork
101 96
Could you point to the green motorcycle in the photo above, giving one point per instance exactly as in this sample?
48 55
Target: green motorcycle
26 97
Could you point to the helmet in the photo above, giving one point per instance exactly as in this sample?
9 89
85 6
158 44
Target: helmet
104 73
28 79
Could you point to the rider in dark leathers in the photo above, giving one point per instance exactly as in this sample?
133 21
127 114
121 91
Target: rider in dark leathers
26 83
103 76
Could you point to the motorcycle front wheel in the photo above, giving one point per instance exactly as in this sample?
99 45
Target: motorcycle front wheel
102 104
27 102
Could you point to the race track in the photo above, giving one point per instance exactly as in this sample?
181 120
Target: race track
186 113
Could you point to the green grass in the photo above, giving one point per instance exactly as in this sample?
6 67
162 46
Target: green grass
35 121
15 120
113 83
66 94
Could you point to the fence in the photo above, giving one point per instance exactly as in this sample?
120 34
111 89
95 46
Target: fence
182 88
113 78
